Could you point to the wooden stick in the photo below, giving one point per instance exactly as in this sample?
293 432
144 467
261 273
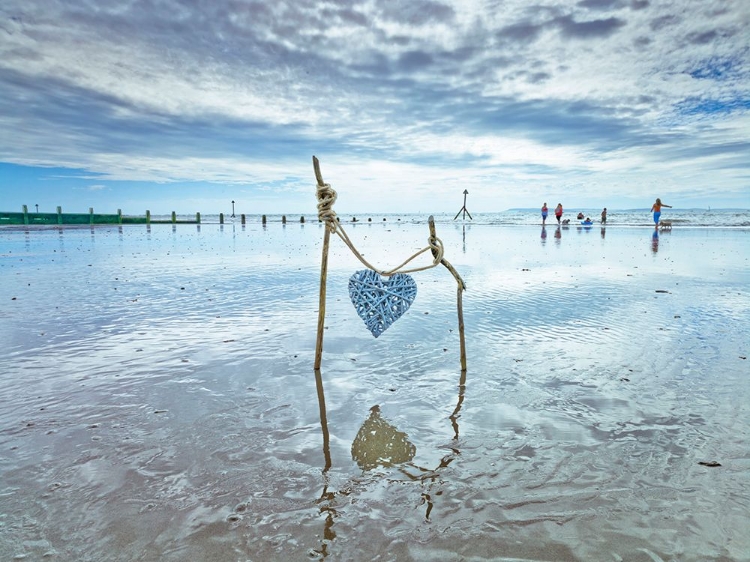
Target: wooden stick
462 339
459 297
323 275
322 299
324 420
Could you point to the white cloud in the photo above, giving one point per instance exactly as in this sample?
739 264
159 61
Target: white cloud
408 100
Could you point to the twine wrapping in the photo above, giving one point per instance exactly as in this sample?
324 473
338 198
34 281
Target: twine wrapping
327 197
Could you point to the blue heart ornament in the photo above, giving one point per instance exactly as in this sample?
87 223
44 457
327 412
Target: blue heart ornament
380 301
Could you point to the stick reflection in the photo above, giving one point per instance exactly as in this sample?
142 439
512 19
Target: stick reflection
379 443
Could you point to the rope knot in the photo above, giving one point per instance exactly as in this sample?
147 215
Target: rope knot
326 198
436 245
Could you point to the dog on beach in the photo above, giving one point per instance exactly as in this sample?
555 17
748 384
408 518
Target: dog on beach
566 221
665 225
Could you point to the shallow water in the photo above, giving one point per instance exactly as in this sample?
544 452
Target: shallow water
158 402
616 218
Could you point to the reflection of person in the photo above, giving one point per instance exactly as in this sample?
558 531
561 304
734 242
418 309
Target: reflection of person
656 208
655 241
544 234
558 212
604 215
544 213
558 234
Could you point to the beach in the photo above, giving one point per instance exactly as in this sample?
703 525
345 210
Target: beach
158 399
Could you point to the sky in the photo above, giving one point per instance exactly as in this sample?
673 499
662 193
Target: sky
187 106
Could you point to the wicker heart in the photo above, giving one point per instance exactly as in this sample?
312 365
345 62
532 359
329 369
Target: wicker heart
380 301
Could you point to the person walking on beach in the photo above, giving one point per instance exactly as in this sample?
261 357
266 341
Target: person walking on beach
544 213
656 209
558 212
604 215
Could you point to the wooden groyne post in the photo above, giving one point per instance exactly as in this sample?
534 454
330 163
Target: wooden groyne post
91 218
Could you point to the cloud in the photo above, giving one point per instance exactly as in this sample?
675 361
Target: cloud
243 93
591 29
417 12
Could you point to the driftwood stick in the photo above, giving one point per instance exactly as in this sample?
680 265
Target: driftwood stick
323 275
462 339
318 175
459 297
322 299
324 420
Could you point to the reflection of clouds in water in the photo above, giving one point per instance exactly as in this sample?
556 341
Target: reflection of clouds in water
587 383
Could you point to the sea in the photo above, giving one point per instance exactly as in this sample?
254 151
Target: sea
714 218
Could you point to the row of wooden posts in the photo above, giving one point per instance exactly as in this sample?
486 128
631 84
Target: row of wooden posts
60 218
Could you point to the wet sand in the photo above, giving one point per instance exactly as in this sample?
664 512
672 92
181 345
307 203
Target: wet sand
158 401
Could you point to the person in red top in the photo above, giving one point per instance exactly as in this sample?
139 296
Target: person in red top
558 212
656 209
544 213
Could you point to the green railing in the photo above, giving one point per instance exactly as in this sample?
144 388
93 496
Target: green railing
60 218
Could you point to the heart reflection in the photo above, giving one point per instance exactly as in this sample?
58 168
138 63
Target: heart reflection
378 443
